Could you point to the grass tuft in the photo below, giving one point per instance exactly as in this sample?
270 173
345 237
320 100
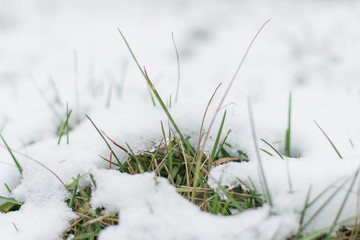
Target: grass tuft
89 222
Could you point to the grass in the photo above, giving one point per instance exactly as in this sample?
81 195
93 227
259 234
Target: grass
89 222
171 161
65 126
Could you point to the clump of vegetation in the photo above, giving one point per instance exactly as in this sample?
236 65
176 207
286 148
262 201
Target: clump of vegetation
172 160
89 222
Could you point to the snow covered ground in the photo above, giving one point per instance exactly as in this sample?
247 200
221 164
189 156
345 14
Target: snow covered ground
54 52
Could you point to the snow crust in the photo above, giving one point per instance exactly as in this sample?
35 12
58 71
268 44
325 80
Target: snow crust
311 48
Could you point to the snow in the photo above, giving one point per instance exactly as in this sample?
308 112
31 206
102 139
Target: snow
161 213
310 48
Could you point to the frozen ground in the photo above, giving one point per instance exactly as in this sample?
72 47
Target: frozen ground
311 48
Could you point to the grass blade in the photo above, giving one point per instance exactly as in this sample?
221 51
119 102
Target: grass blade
122 148
277 152
288 131
323 205
218 136
66 125
261 171
11 200
305 206
332 144
156 93
71 203
166 110
343 202
13 156
222 144
7 188
136 159
170 156
108 145
178 67
270 154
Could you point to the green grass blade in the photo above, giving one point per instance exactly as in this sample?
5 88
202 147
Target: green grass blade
108 145
66 125
11 200
131 52
351 143
71 203
222 144
73 183
7 187
68 114
305 207
83 193
12 155
288 131
218 136
156 93
166 110
266 152
154 156
170 156
272 148
152 97
170 101
234 202
93 179
136 159
107 160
